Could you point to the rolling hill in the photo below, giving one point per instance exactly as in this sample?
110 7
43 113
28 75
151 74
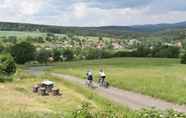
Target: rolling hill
102 30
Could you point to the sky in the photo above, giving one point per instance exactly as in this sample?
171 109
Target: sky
93 12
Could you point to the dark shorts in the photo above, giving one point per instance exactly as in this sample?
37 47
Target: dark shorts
103 77
90 78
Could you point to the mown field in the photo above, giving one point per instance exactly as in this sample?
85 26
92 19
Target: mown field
160 78
24 34
17 97
18 101
20 34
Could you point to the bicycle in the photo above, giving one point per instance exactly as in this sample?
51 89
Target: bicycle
103 83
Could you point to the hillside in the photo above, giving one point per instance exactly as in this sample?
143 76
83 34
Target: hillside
115 31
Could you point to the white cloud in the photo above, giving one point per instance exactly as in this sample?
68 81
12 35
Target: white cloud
28 7
86 16
79 10
13 9
80 13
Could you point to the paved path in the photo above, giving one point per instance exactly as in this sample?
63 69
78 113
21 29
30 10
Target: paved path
131 99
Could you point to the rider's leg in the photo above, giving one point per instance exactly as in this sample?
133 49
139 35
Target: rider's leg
89 83
102 81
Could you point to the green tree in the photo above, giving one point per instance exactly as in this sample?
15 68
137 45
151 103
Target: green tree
7 64
57 55
168 52
142 51
23 52
68 54
43 56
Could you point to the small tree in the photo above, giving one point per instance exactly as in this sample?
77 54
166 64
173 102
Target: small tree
43 55
57 55
23 52
7 64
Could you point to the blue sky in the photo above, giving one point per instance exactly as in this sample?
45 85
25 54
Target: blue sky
93 12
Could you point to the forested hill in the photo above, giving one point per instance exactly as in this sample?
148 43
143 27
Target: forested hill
104 30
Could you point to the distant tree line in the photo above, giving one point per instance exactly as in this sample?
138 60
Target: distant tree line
25 52
143 51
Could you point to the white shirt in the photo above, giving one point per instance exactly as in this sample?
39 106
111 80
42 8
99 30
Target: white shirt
102 74
89 73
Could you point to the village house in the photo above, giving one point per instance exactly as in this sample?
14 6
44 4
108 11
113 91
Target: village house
116 45
100 44
179 44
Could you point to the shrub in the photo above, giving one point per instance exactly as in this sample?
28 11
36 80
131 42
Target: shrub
23 52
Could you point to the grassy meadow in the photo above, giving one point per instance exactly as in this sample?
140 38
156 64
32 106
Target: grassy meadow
17 97
157 77
18 101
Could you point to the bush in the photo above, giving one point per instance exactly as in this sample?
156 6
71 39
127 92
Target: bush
23 52
7 64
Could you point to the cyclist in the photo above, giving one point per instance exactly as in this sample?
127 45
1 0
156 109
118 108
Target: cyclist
89 78
102 76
